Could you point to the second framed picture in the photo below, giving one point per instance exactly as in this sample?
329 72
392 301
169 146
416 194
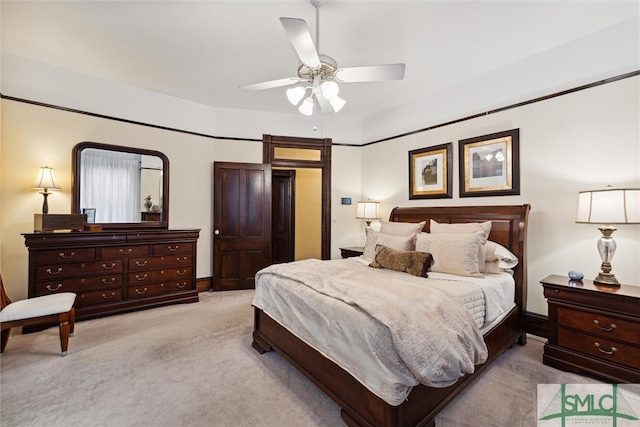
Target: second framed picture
490 164
430 172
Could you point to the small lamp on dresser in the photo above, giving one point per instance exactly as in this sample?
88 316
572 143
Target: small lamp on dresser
608 206
368 211
46 180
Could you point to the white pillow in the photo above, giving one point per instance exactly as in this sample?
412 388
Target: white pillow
461 228
401 228
495 252
402 243
453 253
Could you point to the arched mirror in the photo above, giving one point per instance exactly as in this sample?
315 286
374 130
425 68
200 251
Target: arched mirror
120 187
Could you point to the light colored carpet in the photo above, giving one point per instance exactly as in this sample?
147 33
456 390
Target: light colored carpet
193 365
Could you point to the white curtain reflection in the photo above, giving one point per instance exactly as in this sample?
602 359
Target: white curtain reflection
111 185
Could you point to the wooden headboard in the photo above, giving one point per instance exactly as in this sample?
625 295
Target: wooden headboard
508 228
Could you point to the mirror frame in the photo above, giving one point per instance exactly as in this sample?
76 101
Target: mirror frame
75 185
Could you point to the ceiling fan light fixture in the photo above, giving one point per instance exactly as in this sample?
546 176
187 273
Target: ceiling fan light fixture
330 89
295 94
306 107
337 103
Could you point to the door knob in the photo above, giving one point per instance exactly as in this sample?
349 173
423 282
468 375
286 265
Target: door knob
216 231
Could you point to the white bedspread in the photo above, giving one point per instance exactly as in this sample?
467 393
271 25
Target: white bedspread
389 330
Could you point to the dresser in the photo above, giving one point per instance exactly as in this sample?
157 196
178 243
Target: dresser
593 328
115 271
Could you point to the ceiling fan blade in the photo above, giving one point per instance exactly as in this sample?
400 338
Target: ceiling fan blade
271 84
301 40
373 73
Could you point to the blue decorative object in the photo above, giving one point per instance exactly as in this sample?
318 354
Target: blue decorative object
576 275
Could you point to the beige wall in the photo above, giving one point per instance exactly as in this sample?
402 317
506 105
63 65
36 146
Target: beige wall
581 141
308 214
35 136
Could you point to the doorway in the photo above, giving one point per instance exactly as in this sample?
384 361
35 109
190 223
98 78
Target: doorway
283 152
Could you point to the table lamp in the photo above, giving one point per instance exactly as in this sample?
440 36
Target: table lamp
608 206
46 180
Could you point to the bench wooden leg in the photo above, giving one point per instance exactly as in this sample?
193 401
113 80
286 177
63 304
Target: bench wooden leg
64 333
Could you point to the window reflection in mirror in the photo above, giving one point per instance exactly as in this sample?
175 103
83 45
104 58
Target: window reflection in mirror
120 185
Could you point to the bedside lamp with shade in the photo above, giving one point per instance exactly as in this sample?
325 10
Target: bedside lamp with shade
368 211
46 180
608 206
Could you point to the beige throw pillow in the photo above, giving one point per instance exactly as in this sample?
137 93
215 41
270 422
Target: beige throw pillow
452 253
403 243
401 228
412 262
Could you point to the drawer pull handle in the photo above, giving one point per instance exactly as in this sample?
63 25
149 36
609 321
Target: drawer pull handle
57 287
613 349
143 291
173 248
141 278
105 296
62 255
113 279
613 326
125 251
141 264
183 259
181 273
54 272
108 267
181 286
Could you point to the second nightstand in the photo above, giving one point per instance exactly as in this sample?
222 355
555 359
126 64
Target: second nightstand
351 251
593 328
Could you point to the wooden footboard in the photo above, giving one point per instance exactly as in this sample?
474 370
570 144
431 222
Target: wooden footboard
360 407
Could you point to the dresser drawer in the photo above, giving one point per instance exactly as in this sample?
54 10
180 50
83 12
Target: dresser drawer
172 248
56 271
604 325
65 255
98 297
157 262
604 349
79 284
120 251
164 274
143 291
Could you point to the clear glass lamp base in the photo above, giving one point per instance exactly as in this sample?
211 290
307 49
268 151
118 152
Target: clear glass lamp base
606 249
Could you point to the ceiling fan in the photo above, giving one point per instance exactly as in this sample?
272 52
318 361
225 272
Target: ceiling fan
319 74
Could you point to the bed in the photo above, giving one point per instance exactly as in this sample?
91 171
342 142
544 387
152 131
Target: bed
362 407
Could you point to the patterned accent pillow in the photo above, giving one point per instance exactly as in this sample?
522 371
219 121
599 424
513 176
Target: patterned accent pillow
453 253
404 243
415 263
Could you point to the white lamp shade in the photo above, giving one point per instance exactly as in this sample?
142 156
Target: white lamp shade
330 89
306 107
337 103
46 179
609 206
367 210
295 94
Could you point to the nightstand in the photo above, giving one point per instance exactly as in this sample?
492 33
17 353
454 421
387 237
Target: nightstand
351 251
593 328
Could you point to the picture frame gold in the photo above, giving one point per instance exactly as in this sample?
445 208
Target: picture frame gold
489 165
431 172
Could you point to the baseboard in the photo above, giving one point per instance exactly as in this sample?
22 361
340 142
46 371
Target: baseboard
204 284
537 324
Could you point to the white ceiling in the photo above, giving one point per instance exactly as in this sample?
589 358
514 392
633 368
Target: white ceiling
203 50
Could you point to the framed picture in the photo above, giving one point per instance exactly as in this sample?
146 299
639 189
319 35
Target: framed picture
430 172
490 164
91 214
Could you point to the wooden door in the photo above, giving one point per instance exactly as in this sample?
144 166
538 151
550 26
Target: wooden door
283 216
241 223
